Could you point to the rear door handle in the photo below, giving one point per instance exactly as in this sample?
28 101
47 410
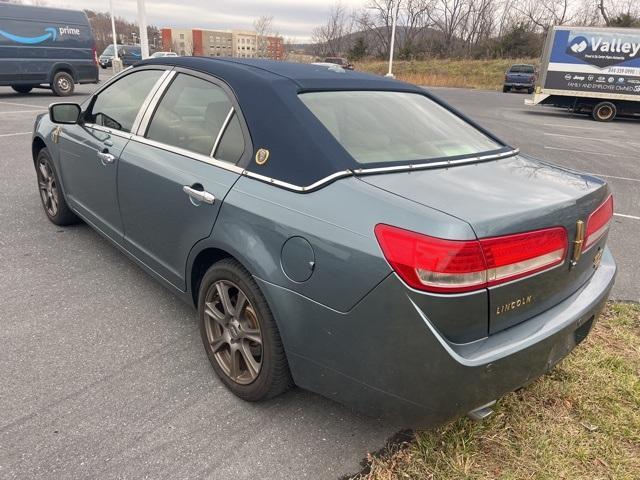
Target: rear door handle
199 195
106 158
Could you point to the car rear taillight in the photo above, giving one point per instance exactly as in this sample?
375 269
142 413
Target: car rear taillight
451 266
598 223
95 56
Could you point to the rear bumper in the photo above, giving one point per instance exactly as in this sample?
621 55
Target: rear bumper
518 85
385 358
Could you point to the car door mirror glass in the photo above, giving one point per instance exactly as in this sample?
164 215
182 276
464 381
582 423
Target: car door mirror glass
65 113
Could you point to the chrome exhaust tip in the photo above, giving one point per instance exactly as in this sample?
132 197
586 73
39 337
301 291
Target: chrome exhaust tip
483 412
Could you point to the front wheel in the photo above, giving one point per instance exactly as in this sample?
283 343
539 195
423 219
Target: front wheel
62 84
505 89
53 202
23 89
239 333
604 112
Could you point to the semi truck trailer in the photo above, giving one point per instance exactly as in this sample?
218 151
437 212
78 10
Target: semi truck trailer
590 70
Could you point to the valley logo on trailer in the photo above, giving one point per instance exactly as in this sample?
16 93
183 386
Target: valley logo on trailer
604 50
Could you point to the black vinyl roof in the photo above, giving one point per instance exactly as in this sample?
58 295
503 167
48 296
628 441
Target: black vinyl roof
301 150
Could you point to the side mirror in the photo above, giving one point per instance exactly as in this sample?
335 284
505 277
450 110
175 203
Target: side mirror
65 113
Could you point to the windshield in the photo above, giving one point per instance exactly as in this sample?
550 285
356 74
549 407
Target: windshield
522 69
377 126
108 50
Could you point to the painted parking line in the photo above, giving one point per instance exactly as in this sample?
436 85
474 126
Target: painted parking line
632 217
21 104
579 127
582 151
14 134
587 138
617 178
2 112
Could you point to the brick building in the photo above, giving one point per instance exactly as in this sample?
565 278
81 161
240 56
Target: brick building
219 43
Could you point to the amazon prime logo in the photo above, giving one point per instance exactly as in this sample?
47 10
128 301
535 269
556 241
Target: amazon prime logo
50 33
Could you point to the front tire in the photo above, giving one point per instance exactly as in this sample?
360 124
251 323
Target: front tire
604 112
240 335
505 89
63 84
53 202
22 89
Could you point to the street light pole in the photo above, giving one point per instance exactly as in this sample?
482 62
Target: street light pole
394 12
113 31
142 23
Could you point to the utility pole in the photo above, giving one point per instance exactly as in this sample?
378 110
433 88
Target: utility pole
113 31
394 12
142 23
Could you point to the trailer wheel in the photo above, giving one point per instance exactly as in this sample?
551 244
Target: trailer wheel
604 112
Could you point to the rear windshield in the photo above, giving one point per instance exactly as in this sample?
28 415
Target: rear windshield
376 126
522 69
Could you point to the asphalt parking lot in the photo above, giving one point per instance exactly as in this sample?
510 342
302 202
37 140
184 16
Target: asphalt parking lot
102 370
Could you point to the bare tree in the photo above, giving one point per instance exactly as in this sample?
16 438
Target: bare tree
331 38
263 28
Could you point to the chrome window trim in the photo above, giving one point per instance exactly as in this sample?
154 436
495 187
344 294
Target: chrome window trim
188 153
147 100
298 188
221 131
112 131
443 163
153 103
323 181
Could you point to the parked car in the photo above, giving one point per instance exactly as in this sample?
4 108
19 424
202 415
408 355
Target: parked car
520 77
350 234
343 62
164 54
45 48
129 54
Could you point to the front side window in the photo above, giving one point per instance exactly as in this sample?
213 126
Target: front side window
117 105
382 127
190 115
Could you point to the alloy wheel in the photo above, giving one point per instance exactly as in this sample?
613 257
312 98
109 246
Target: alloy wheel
233 332
48 188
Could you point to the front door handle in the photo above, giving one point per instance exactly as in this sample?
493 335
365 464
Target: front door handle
106 158
199 195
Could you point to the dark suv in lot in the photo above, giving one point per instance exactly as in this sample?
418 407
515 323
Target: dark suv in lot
520 77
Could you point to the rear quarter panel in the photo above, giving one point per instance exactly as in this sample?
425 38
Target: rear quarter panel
338 221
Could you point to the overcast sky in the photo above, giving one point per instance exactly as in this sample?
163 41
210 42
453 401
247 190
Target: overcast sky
292 18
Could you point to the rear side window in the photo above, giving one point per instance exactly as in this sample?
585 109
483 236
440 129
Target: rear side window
522 69
231 146
190 115
382 127
117 105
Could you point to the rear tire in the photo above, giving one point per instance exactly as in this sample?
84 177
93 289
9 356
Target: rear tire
53 201
62 84
604 112
239 333
22 89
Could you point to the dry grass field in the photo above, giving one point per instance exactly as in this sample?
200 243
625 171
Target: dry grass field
484 74
580 421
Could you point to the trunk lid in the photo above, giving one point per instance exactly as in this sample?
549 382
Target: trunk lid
510 196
